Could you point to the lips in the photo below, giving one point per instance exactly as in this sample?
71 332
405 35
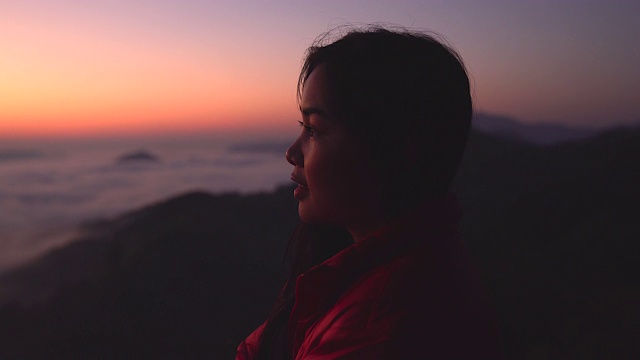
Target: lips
298 181
302 190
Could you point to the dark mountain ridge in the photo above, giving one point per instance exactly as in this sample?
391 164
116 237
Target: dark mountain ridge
553 230
560 251
537 133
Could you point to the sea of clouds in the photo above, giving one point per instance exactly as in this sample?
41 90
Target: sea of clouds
48 188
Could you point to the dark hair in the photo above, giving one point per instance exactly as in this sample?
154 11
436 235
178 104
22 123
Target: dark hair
405 96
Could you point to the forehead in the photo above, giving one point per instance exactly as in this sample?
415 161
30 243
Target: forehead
314 90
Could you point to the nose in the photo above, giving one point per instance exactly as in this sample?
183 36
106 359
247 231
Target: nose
294 154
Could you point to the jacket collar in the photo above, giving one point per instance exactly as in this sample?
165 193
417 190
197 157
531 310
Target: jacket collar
321 286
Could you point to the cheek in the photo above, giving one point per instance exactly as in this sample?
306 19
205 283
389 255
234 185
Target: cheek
337 182
329 172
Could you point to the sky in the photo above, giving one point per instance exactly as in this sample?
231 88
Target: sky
87 68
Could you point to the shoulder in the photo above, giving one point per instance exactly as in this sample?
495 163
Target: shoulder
425 272
420 303
423 302
377 300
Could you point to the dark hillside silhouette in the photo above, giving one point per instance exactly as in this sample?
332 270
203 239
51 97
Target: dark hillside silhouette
180 279
553 230
536 133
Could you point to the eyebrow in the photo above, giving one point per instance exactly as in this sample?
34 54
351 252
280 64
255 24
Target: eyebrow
308 111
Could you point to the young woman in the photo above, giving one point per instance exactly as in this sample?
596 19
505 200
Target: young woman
380 272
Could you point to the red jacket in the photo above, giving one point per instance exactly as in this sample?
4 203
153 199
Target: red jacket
407 291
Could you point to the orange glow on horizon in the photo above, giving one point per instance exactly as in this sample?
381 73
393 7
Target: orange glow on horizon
60 82
130 125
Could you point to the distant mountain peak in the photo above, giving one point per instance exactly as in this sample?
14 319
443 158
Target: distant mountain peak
535 133
137 156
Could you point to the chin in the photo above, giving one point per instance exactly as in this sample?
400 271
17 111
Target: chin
308 216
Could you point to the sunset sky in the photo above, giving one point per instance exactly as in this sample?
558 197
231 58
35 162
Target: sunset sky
145 67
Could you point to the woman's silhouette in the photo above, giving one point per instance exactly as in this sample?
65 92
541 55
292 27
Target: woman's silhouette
379 270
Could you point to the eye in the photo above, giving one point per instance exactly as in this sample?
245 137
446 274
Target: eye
308 129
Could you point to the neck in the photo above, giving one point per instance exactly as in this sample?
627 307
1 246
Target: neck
362 230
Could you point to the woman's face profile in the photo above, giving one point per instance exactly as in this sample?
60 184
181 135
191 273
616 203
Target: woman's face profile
335 183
